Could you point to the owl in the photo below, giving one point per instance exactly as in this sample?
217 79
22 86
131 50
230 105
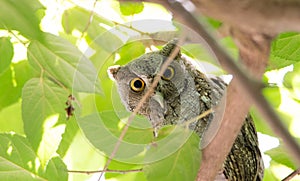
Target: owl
182 94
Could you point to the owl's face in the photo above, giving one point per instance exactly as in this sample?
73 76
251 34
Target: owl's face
134 80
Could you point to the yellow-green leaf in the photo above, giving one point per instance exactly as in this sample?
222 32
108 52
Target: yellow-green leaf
64 63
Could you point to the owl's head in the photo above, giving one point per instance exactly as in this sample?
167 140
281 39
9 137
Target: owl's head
134 80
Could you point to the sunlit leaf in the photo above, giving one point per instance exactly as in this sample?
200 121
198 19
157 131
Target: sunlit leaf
81 155
273 95
130 52
131 8
6 53
43 104
17 159
115 165
20 16
12 82
260 124
9 94
56 170
68 136
108 41
280 155
213 22
14 123
268 175
285 50
79 18
103 129
181 165
64 63
292 81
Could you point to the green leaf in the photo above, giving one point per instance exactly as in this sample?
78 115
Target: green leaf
108 41
68 136
12 82
115 165
17 159
273 95
279 154
14 123
56 170
97 34
292 81
198 52
43 104
83 156
131 8
6 53
213 22
260 123
20 16
130 51
103 130
181 165
79 18
268 174
9 94
229 44
285 50
64 63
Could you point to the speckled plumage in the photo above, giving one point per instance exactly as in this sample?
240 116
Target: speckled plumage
186 95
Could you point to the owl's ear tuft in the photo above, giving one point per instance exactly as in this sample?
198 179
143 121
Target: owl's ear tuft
169 48
112 71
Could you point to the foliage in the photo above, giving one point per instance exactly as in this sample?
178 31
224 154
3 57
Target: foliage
38 142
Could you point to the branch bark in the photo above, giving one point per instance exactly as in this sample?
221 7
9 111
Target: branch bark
268 16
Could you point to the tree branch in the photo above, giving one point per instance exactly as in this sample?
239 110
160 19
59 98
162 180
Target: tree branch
267 17
292 175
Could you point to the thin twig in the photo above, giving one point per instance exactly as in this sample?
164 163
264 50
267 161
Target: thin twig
130 28
292 175
90 19
105 171
202 115
142 101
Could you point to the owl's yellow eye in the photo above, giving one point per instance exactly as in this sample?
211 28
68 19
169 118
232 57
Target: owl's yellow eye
168 74
137 84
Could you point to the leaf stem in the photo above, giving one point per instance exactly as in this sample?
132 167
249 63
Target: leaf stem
106 171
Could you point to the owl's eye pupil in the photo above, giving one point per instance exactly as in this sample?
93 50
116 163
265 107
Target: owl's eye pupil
137 84
169 73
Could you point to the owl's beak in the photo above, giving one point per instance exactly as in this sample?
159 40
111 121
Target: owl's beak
157 107
159 99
